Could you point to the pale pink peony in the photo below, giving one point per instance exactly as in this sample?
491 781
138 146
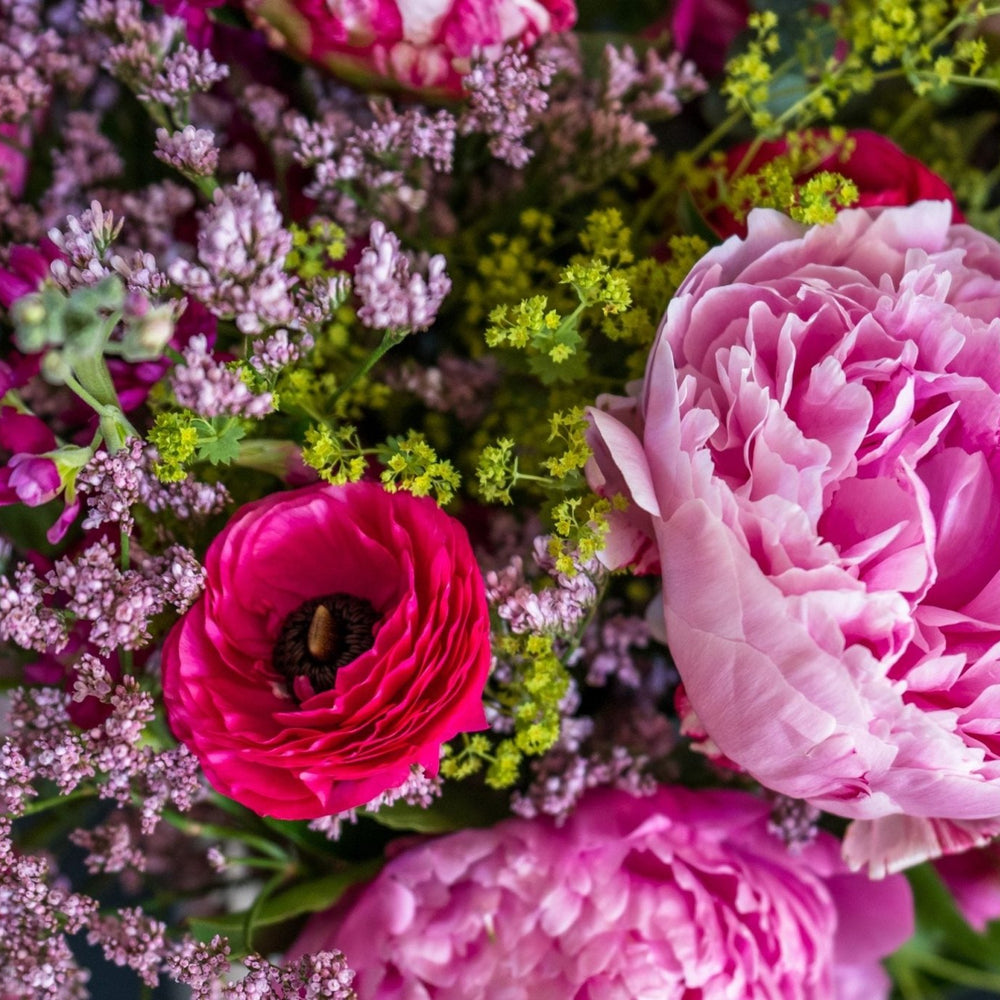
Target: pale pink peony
297 730
424 45
676 895
813 463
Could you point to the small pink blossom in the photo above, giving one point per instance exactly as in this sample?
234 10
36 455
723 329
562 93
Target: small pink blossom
673 895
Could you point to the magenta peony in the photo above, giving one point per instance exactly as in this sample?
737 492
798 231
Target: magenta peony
414 44
674 895
813 465
343 636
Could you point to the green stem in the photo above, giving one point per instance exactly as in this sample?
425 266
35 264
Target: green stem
954 972
40 805
265 864
389 340
258 904
198 829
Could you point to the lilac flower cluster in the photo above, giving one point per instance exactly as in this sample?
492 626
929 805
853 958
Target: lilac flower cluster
393 295
385 164
187 498
191 150
322 976
555 610
110 847
656 88
506 99
242 245
606 649
92 589
213 388
184 72
86 159
111 485
564 773
454 385
33 57
35 956
85 241
279 350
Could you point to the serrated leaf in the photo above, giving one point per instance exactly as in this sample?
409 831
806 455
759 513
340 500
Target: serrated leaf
224 447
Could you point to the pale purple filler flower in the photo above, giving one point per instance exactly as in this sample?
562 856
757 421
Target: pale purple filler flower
393 296
191 150
242 245
506 99
212 388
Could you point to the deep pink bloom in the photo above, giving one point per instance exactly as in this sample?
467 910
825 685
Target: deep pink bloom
883 173
13 162
669 896
269 729
703 30
813 464
973 879
424 45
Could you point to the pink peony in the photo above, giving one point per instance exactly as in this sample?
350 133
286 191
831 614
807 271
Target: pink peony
343 636
973 878
414 44
670 896
883 173
813 465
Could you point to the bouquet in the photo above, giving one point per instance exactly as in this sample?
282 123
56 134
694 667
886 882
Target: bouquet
500 498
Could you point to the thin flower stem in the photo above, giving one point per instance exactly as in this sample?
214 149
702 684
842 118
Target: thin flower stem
198 829
40 805
390 339
954 972
263 896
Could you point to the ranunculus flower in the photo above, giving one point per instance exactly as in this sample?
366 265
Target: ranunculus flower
883 173
342 637
678 894
415 44
813 464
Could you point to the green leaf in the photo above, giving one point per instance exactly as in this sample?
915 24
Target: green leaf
454 810
310 896
224 447
693 223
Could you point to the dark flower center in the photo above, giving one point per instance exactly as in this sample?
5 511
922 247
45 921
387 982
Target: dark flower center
322 635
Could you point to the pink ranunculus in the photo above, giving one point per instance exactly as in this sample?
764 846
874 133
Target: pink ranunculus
414 44
883 173
673 895
342 638
813 462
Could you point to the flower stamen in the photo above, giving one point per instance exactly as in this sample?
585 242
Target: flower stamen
322 635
